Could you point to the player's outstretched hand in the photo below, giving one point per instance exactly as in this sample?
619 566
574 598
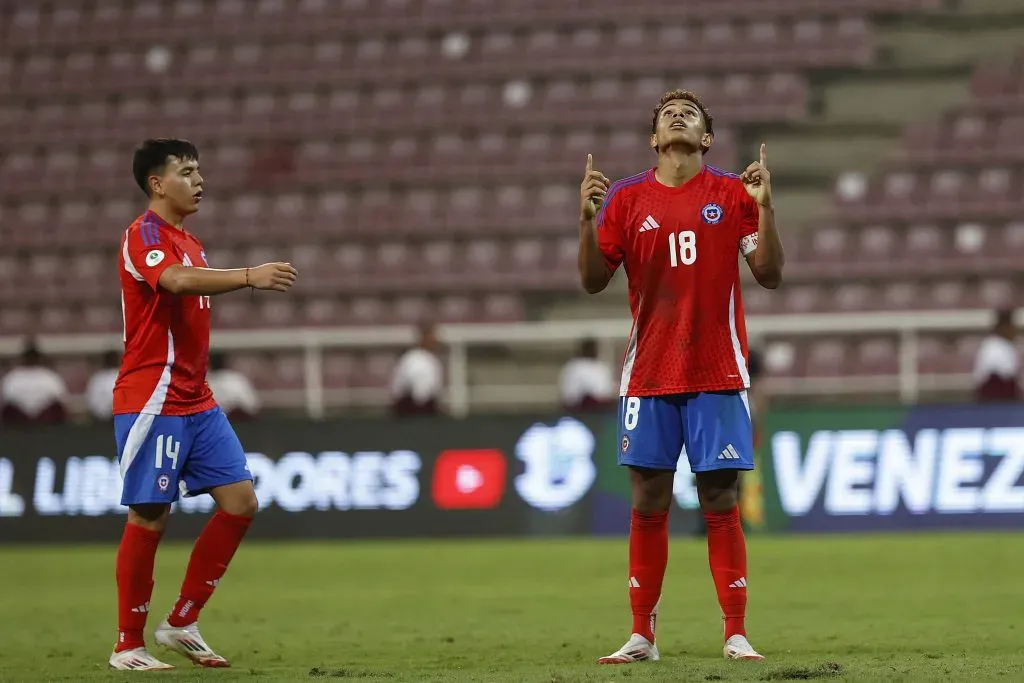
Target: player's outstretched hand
758 181
278 277
593 190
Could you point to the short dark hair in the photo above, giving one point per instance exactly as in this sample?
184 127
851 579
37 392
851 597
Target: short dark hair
588 348
151 156
30 353
218 361
688 96
1004 317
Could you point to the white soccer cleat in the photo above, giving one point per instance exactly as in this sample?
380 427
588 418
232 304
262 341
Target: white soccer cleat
187 641
137 659
636 649
737 647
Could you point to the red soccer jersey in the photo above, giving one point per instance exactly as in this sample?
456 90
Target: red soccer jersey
680 248
166 337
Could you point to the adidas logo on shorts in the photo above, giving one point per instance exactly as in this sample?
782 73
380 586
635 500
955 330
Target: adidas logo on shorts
729 454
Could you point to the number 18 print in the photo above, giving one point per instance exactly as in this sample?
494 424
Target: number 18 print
682 250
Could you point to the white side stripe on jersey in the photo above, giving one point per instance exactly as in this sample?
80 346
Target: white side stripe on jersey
128 265
627 363
154 406
741 362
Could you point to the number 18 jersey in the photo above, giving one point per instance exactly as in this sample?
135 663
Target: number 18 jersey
680 247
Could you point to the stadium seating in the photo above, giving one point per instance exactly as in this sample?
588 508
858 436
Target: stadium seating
373 143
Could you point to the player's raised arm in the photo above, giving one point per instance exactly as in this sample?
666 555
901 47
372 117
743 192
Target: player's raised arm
593 266
177 279
767 258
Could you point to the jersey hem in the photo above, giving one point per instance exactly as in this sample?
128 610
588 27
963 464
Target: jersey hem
673 391
206 405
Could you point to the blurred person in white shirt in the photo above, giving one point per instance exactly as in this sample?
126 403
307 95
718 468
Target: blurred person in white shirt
99 392
997 365
232 390
32 392
418 381
585 382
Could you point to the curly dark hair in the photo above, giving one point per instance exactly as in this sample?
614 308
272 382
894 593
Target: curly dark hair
689 96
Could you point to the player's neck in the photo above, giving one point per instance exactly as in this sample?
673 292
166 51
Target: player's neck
677 166
169 216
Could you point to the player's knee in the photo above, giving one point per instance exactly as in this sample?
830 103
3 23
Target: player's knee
652 489
718 491
237 499
149 516
719 500
242 505
252 505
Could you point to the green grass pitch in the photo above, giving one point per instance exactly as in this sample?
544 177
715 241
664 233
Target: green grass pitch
854 608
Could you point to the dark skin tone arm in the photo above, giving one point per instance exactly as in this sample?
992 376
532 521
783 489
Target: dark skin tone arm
182 281
594 272
767 261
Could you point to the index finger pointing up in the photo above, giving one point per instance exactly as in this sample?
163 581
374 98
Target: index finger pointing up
590 163
764 155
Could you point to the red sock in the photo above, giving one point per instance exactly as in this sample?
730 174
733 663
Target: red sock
210 557
648 558
727 555
135 558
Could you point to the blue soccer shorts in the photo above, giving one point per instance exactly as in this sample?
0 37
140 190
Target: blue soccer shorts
162 455
710 429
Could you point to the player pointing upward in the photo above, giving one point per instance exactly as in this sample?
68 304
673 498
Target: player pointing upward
678 229
171 436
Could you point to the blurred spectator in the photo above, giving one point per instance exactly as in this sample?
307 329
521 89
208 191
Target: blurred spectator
997 365
419 378
33 392
99 392
585 382
232 390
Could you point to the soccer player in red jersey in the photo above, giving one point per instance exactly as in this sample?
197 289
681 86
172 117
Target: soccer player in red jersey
678 230
171 436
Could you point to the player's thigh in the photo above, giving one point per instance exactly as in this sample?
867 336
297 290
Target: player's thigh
217 457
650 432
153 451
718 432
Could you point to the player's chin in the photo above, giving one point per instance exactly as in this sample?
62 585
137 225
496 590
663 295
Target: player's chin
680 138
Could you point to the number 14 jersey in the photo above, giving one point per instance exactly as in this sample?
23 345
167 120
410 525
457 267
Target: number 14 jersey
680 248
166 337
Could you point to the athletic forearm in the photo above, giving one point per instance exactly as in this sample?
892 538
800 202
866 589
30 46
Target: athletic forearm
769 258
594 271
203 281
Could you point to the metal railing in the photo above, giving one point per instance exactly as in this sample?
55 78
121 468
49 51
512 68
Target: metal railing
459 338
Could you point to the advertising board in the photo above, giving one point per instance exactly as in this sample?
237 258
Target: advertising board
894 468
